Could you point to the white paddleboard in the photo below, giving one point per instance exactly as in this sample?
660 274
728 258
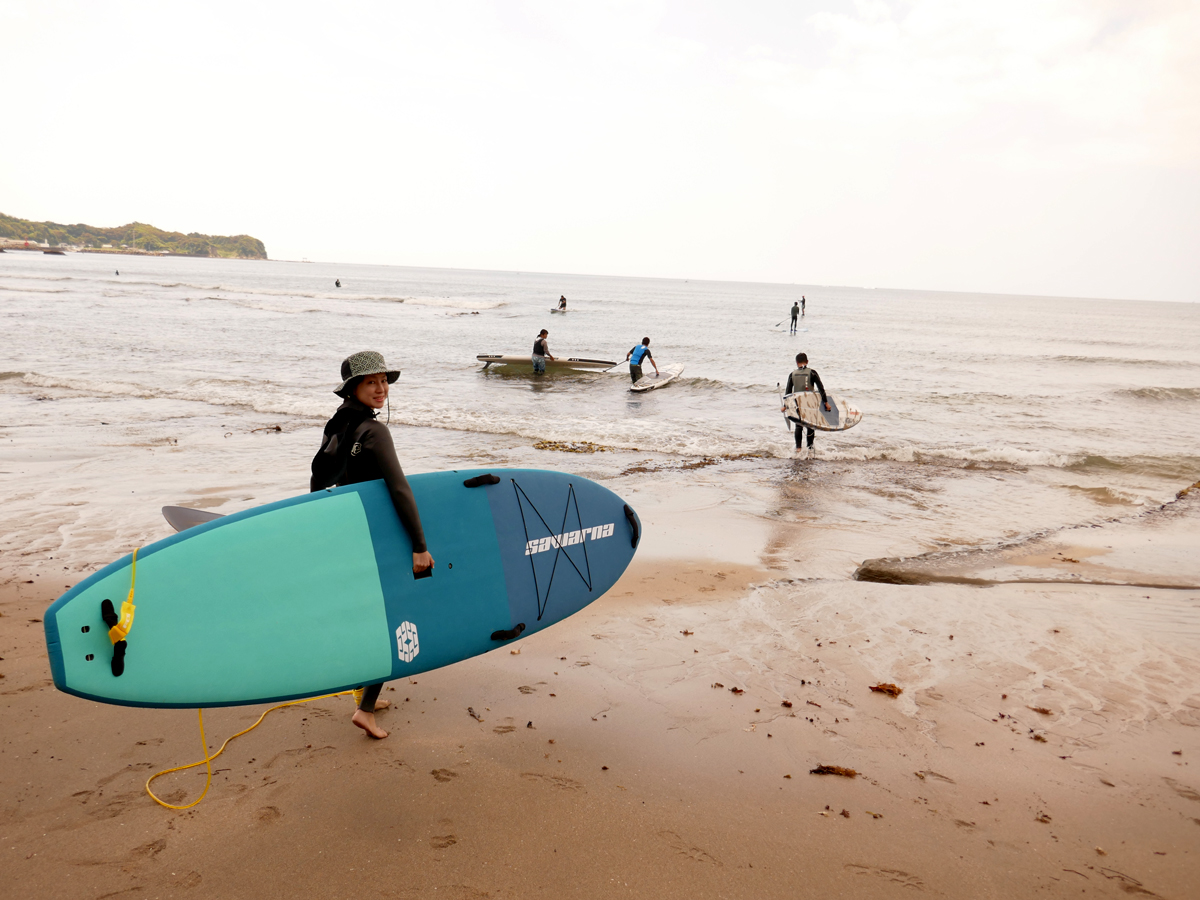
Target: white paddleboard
805 407
665 375
557 310
559 362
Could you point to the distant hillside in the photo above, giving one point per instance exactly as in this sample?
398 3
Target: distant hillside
134 237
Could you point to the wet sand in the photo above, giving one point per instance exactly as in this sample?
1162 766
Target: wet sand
614 757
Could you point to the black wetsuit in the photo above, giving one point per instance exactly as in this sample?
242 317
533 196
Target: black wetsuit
795 314
357 448
804 379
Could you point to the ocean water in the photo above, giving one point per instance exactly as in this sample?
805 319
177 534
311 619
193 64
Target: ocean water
206 382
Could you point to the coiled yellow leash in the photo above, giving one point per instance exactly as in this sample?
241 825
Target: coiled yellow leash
207 761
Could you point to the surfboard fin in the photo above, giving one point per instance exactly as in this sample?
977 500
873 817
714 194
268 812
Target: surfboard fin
118 660
509 634
633 523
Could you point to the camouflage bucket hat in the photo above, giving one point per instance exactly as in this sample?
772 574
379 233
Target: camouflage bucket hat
357 365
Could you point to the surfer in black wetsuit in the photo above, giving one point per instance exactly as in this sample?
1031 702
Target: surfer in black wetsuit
562 302
802 378
356 448
803 303
337 282
795 314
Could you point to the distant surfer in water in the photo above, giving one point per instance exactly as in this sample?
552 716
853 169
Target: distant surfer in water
636 355
795 315
356 448
541 353
562 302
803 379
337 282
803 303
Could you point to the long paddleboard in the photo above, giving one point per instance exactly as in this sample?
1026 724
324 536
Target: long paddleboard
559 362
665 375
806 408
316 593
557 310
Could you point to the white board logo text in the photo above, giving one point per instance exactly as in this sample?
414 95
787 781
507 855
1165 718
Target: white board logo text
569 538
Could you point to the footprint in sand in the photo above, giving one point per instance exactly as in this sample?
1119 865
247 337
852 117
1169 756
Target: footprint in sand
268 815
683 848
504 729
187 880
895 875
442 841
444 774
147 851
558 781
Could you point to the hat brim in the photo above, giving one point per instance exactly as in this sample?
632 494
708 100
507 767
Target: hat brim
343 389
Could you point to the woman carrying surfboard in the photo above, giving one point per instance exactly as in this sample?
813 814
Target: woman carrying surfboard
356 448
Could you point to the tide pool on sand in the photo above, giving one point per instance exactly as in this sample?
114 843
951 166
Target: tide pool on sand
316 593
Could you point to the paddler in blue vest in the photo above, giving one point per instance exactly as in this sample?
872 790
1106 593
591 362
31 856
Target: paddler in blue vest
804 379
636 355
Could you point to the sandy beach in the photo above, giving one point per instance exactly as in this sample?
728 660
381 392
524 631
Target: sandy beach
654 745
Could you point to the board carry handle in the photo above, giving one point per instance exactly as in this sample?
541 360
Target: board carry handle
481 480
509 633
633 524
424 573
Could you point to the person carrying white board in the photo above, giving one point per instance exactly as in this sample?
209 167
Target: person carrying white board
803 379
635 356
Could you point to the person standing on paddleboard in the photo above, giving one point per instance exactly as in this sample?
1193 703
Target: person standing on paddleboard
803 303
355 448
803 379
635 356
795 314
541 353
562 302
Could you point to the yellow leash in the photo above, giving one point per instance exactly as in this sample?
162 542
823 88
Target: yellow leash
120 631
207 761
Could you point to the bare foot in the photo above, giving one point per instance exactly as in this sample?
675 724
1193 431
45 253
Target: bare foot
382 704
366 721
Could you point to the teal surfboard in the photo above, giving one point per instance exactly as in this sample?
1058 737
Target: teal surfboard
316 593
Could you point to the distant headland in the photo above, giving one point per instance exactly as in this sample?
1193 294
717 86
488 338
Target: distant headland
135 238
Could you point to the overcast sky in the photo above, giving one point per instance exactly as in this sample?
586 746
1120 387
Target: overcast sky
1029 146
